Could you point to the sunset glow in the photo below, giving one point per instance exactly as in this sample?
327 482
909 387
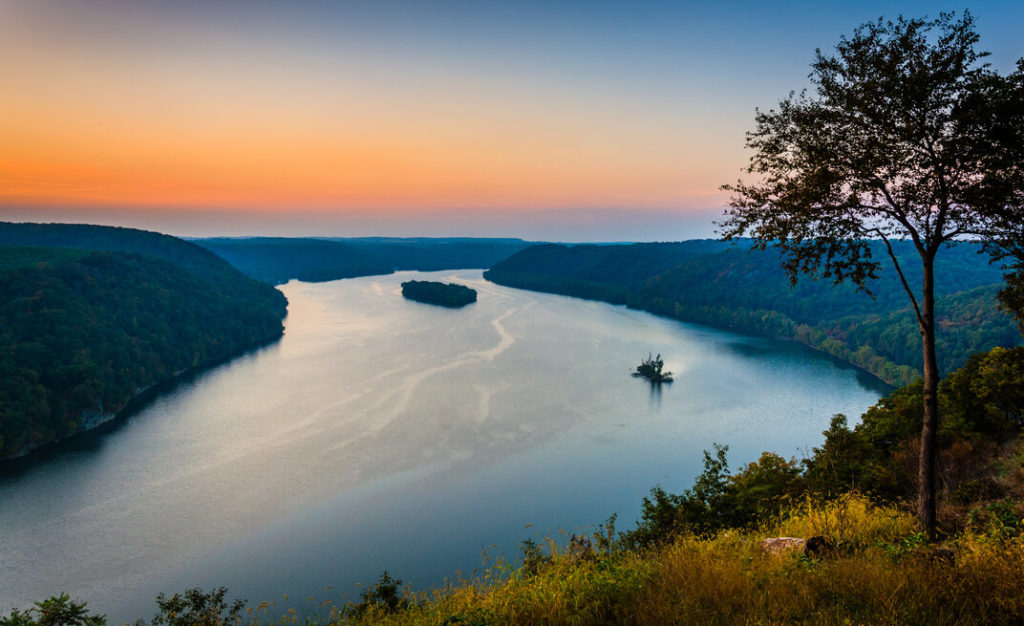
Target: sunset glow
394 110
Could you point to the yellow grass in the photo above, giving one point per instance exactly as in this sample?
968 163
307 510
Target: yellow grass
880 572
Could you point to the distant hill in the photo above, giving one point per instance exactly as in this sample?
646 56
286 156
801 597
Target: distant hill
115 239
732 286
90 316
277 260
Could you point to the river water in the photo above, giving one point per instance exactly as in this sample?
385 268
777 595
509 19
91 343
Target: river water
381 433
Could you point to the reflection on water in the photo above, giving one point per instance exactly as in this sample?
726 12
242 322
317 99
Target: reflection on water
381 433
655 395
93 441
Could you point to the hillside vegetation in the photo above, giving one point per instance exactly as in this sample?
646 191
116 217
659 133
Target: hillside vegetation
734 287
82 330
277 259
882 574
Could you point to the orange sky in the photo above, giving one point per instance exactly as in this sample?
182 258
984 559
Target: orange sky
186 115
385 109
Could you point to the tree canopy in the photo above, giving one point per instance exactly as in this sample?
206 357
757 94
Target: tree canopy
82 332
442 294
905 135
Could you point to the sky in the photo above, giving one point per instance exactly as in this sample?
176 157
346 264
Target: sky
569 121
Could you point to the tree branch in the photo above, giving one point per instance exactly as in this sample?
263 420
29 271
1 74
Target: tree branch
901 216
903 279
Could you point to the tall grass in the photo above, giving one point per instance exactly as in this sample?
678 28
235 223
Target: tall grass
880 571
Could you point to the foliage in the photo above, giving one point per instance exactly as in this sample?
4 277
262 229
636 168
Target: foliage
651 369
884 574
876 456
188 256
1011 297
717 500
533 557
720 285
1000 519
896 142
904 137
979 404
82 333
382 598
443 294
277 260
56 611
196 607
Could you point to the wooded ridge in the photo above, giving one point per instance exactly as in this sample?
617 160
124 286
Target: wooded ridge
90 316
278 259
732 286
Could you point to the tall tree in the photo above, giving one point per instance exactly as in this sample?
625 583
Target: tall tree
906 135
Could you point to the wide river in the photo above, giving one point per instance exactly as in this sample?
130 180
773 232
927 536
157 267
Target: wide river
381 433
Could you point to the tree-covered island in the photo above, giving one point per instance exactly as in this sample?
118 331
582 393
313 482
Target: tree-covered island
651 370
441 294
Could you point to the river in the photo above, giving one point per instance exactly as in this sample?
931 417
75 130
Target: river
381 433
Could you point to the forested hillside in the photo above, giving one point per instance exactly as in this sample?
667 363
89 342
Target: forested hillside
83 330
115 239
732 286
278 259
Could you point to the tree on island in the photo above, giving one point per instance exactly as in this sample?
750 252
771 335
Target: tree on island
907 135
442 294
650 368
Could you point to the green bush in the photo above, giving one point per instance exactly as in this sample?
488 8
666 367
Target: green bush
55 611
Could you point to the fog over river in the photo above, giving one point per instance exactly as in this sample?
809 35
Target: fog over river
381 433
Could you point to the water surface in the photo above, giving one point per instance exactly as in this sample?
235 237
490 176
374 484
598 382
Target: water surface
381 433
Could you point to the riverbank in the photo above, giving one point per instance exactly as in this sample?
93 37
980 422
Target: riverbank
731 287
99 422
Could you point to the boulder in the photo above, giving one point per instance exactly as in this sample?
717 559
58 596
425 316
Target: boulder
778 545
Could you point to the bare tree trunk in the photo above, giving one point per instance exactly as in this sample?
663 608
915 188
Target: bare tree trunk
930 424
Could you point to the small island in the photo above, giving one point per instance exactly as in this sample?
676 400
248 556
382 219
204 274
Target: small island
441 294
650 368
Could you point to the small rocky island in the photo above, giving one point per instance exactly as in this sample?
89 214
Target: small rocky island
441 294
651 369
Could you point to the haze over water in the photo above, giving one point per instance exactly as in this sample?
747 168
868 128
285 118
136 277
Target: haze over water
381 433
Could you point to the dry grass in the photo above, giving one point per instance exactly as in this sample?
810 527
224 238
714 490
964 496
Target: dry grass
881 572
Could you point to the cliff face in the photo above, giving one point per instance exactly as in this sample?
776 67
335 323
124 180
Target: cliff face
82 332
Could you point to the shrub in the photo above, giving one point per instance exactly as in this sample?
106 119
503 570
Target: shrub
55 611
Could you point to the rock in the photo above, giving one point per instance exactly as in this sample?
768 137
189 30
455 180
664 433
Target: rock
778 545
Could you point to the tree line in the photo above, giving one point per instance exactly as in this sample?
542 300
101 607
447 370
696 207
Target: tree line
82 332
733 287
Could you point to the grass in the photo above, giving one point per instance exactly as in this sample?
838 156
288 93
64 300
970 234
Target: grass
880 571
